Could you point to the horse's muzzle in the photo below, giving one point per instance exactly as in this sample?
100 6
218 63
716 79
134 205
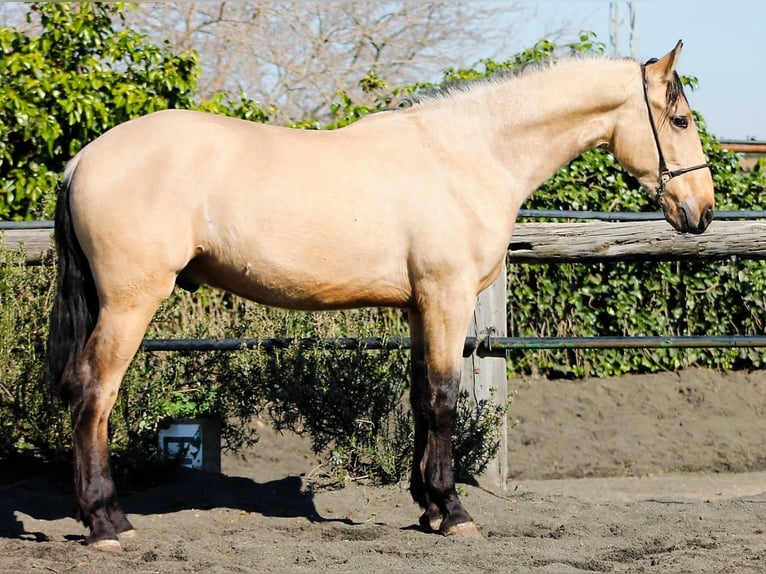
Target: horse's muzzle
692 219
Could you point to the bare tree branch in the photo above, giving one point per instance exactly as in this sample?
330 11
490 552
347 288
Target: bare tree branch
295 56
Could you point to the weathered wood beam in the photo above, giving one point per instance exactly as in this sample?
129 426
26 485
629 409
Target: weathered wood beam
628 241
566 242
35 242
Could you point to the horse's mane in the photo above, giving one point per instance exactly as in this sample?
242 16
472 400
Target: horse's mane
456 87
674 93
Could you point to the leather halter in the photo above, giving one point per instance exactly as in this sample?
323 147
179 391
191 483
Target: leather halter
665 175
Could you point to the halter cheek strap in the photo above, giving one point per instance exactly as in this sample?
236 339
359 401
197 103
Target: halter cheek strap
665 175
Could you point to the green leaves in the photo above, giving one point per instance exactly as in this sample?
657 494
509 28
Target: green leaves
65 86
635 299
79 76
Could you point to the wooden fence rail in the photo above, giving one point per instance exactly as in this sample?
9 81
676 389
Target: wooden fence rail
587 242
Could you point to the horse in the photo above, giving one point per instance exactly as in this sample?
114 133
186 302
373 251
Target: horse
412 208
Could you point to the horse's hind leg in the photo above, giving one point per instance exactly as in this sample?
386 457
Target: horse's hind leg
94 384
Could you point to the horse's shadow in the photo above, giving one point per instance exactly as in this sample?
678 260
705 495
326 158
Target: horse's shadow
45 492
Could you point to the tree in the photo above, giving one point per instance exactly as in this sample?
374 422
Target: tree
296 56
67 84
74 72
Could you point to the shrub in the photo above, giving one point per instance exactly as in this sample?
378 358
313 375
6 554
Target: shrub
638 298
82 73
351 403
28 420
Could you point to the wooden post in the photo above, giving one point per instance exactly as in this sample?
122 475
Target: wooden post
482 374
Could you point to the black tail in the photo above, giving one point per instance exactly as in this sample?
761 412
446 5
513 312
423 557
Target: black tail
75 308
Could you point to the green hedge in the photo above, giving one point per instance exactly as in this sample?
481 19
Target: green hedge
84 73
643 298
352 404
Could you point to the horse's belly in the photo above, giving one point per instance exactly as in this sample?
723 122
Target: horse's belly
309 289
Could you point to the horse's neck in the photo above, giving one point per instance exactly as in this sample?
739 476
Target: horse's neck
546 119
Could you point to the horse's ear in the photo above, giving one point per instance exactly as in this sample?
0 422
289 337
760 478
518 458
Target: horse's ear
665 67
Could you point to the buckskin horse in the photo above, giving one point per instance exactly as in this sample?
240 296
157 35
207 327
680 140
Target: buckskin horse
411 208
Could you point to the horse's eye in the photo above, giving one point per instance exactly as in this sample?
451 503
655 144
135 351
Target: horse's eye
681 122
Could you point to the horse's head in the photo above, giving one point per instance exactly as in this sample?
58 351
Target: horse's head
656 139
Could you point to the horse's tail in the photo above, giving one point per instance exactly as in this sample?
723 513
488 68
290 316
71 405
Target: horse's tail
75 308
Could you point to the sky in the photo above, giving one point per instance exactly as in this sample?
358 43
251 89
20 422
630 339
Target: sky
723 48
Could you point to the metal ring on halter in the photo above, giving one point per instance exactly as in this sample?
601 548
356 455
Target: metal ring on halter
665 175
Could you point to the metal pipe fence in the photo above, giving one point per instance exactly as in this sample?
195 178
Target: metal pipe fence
482 346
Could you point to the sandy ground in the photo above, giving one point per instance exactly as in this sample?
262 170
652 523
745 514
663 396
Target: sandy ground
660 473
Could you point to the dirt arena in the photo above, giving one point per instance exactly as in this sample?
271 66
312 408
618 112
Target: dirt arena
660 473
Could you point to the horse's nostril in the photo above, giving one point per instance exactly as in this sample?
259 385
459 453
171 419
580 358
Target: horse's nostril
706 219
690 222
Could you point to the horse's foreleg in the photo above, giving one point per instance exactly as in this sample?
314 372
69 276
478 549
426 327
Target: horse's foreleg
444 511
431 519
445 323
96 379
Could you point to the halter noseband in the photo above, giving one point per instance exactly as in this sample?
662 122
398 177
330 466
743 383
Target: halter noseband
665 175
